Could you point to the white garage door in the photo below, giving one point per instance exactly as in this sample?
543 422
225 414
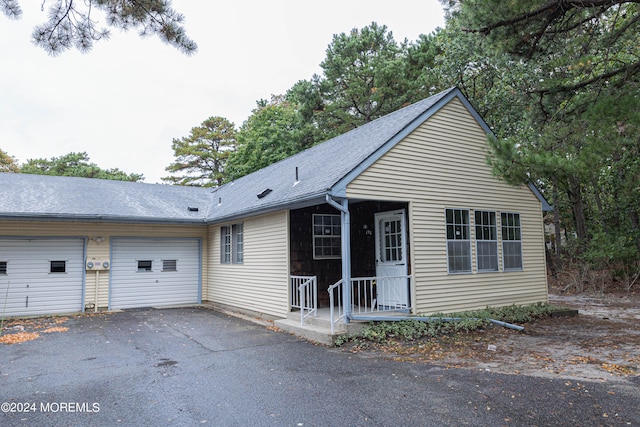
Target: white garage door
41 276
154 272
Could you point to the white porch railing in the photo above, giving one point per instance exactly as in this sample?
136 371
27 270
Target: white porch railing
335 304
304 295
371 295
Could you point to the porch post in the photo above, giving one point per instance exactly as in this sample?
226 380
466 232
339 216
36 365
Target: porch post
346 259
345 237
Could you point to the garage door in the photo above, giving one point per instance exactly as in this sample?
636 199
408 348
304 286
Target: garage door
154 272
41 276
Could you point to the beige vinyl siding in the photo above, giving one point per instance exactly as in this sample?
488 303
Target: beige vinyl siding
101 250
260 283
442 165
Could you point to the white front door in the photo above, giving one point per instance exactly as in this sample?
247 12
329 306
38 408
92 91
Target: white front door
391 260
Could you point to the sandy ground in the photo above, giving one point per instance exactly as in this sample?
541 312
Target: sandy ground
602 343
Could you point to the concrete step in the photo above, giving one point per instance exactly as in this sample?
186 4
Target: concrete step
317 329
317 333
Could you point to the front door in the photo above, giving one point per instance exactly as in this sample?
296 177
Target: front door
391 260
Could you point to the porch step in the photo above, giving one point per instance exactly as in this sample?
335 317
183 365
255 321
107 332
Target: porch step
316 329
317 333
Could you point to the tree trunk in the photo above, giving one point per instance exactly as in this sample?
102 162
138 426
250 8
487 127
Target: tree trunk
556 223
577 206
596 194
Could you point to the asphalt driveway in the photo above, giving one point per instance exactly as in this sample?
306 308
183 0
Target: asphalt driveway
198 367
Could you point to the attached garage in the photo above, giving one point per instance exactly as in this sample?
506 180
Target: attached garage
154 272
41 276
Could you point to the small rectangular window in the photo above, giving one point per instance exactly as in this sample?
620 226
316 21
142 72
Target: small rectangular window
232 244
327 236
58 267
511 241
169 265
145 265
238 243
3 267
486 241
458 241
225 244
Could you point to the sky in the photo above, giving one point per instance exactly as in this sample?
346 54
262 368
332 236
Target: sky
127 99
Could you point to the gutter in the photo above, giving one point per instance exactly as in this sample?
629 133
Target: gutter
102 218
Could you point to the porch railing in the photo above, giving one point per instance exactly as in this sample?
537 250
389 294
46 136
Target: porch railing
376 294
304 295
371 295
336 309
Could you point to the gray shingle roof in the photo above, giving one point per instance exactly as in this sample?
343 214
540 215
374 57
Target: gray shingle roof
323 169
320 168
56 197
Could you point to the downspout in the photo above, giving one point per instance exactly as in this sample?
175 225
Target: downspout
345 237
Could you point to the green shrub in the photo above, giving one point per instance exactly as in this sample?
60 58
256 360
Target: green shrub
439 325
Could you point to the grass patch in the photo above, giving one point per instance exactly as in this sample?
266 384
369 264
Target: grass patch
383 333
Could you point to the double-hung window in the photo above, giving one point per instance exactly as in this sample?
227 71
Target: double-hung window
511 241
232 244
458 241
326 236
486 241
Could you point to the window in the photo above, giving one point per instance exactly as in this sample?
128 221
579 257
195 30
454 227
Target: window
458 241
232 244
145 265
326 236
58 267
511 241
169 265
486 241
3 267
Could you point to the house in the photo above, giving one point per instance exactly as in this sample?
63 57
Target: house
402 213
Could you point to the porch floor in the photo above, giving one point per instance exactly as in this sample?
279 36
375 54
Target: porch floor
318 328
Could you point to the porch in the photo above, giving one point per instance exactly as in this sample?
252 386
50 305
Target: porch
377 270
370 298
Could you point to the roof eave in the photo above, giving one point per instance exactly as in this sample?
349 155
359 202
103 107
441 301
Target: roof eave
294 203
99 218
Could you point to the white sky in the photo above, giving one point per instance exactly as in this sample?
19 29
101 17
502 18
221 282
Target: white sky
125 100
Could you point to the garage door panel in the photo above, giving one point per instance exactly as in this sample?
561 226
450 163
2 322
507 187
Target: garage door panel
131 288
29 287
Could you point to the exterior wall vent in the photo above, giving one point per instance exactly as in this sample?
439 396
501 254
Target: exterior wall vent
193 209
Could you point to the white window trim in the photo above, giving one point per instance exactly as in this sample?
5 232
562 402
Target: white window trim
314 236
143 270
468 241
510 270
495 242
235 232
66 265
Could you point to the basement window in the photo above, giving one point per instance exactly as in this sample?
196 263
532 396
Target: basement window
145 265
169 265
3 267
58 267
